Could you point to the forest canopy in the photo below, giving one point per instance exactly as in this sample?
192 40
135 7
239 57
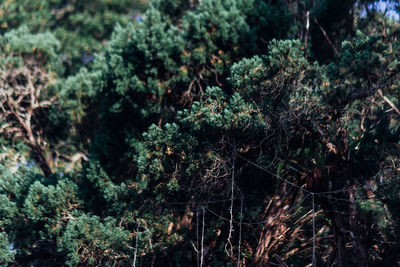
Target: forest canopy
199 133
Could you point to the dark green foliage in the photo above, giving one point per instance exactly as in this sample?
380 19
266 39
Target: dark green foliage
33 209
80 26
90 242
170 123
20 44
6 256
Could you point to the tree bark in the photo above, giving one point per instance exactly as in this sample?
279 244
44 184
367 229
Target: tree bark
37 151
339 235
38 155
355 233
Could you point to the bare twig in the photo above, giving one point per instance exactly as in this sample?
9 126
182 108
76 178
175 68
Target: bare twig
20 90
307 29
136 245
326 36
387 100
230 252
202 241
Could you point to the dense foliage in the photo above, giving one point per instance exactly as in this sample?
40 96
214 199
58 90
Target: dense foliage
212 132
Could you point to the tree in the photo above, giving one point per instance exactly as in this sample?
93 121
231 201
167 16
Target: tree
82 27
22 89
213 132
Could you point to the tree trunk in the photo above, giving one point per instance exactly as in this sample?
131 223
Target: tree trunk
339 236
37 151
359 249
38 155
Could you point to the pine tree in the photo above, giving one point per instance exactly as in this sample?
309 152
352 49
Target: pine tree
213 132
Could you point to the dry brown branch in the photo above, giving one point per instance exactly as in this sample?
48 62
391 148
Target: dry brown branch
387 100
276 230
326 37
20 91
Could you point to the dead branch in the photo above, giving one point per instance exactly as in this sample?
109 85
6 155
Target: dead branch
387 100
20 91
326 37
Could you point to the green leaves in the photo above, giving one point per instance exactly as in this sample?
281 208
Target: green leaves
162 126
88 240
32 209
8 213
6 253
220 113
21 44
248 75
51 205
80 26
